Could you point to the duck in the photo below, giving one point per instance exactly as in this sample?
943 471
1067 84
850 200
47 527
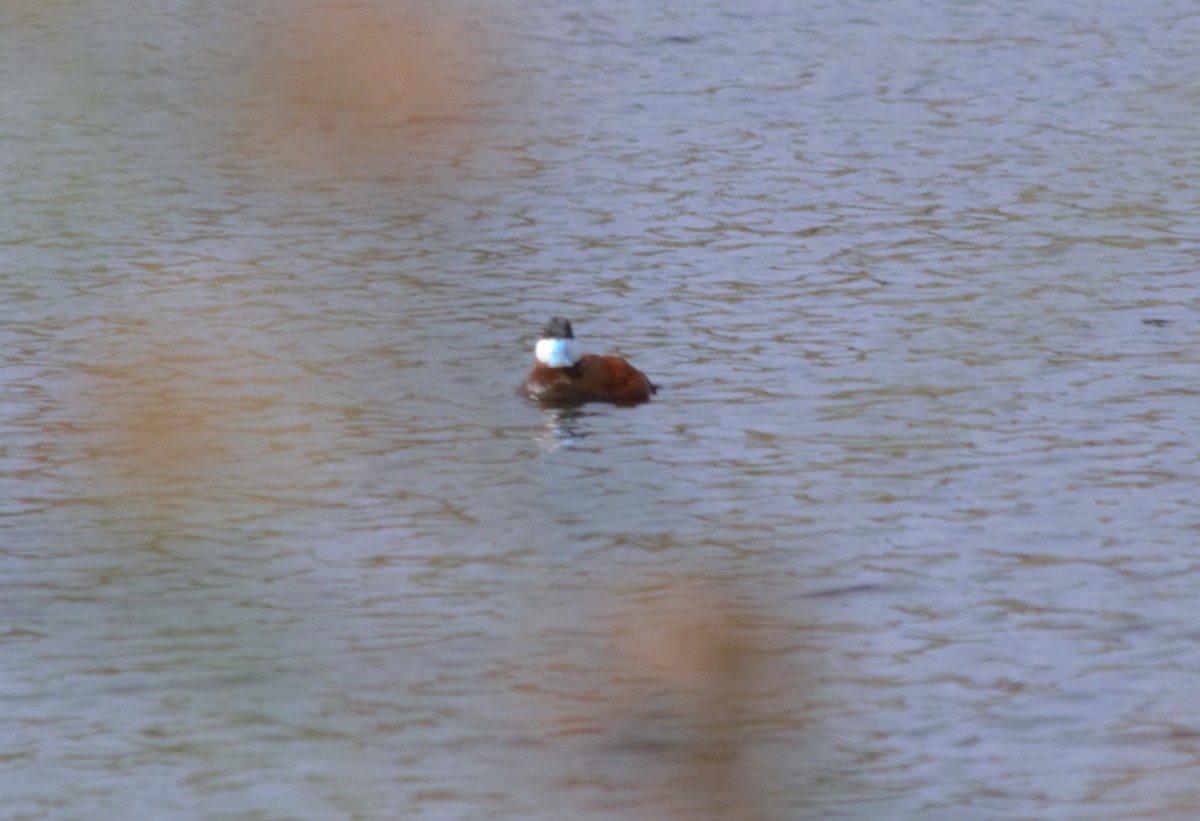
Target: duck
563 375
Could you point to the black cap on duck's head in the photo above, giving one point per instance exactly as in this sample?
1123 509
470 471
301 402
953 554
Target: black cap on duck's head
558 328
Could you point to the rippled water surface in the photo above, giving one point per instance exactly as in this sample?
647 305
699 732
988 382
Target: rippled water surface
909 532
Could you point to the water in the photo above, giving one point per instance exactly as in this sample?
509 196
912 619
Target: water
908 533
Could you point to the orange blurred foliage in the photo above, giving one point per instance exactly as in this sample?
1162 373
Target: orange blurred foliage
336 81
687 698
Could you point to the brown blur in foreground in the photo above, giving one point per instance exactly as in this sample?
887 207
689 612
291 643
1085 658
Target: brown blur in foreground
337 82
691 698
157 431
179 415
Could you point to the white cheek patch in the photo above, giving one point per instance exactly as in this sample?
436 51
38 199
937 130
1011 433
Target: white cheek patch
557 353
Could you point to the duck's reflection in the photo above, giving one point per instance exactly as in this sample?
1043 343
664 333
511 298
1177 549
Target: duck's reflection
563 428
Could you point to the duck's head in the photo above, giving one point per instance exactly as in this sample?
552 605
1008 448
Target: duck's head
557 348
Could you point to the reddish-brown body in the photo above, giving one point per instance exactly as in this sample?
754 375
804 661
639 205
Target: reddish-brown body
592 379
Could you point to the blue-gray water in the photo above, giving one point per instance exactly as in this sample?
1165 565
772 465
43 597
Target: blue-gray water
909 533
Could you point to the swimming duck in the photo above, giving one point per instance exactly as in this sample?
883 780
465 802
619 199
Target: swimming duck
563 375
